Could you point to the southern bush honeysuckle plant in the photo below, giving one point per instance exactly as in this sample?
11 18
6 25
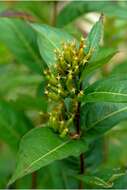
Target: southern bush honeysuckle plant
64 85
78 111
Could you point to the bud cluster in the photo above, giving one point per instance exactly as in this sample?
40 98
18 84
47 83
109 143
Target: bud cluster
63 82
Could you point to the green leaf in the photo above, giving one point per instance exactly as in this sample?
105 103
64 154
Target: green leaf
35 9
40 147
121 182
52 174
49 39
7 164
102 178
101 117
30 103
103 57
108 90
95 36
94 157
74 10
6 55
18 36
120 68
13 124
16 78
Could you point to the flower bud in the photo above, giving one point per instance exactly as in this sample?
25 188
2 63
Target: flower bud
64 84
53 96
64 133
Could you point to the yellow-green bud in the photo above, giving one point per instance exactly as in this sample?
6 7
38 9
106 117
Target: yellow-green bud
64 133
53 96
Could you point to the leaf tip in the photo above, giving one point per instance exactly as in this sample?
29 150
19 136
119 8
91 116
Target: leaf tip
10 182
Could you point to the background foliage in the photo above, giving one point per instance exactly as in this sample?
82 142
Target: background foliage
27 43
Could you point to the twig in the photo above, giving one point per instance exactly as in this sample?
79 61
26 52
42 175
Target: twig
82 169
54 13
82 164
34 180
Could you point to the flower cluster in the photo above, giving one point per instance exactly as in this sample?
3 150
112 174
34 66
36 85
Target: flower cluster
63 84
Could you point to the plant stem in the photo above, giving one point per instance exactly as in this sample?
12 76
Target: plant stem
82 169
34 180
54 13
77 119
82 164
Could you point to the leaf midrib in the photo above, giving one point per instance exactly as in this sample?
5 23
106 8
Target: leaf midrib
109 92
94 39
28 47
45 155
46 37
14 133
108 116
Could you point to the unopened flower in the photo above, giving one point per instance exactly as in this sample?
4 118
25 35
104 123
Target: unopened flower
64 83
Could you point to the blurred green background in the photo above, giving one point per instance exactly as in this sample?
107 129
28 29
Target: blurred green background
22 84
